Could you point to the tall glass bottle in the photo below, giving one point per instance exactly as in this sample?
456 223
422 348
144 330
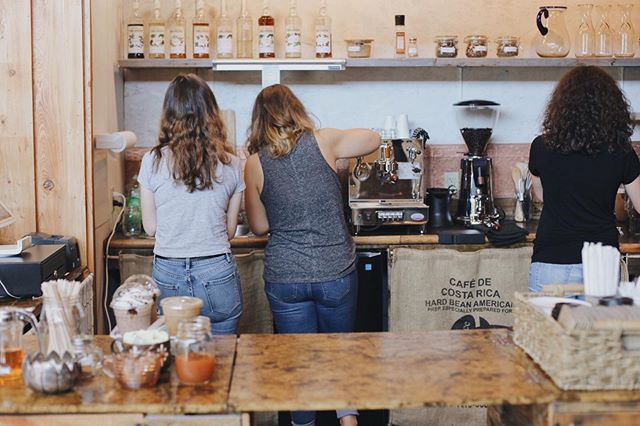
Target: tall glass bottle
224 38
201 32
585 40
293 33
266 33
323 32
625 45
244 33
604 39
177 33
157 31
135 33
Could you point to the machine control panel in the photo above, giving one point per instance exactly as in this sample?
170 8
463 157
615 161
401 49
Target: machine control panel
390 215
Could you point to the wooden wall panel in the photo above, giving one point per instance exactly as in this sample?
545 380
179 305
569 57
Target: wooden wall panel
59 118
16 118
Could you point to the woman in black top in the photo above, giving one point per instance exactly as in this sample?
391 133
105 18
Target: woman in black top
582 157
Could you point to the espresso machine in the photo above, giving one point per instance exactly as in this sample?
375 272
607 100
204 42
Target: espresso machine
388 190
476 120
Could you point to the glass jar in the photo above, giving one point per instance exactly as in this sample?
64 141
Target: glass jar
11 351
88 355
477 46
412 48
359 48
61 320
446 46
508 46
194 352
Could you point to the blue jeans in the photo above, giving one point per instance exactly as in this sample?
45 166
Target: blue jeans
324 307
541 274
215 280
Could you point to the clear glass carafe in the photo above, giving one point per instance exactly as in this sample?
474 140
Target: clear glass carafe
11 350
553 41
604 37
585 39
194 352
625 43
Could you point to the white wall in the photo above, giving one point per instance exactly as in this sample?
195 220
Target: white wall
362 97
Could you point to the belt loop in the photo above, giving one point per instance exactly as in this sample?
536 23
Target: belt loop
228 257
187 263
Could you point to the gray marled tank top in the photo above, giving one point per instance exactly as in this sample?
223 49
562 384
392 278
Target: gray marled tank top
309 240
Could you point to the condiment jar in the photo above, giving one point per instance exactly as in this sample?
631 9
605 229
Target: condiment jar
446 46
359 48
477 46
412 48
194 352
88 355
508 46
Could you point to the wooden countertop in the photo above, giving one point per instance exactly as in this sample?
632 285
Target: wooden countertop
104 395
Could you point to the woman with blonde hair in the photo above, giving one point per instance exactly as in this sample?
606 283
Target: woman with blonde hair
191 190
293 193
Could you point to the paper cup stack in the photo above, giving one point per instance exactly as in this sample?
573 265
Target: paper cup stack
600 269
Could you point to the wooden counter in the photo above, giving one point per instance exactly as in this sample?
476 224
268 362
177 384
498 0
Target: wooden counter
104 395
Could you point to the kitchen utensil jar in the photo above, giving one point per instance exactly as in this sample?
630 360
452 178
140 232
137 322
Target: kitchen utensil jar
585 39
553 41
604 37
626 36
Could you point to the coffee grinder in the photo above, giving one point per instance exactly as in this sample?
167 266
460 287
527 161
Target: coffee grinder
476 120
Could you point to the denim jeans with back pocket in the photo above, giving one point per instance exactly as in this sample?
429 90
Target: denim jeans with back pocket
541 274
215 280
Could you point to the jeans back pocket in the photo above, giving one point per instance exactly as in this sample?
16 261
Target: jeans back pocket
223 295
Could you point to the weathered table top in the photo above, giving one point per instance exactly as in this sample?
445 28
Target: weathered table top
104 395
384 370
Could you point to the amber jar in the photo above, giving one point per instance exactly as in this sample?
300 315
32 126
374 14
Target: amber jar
194 352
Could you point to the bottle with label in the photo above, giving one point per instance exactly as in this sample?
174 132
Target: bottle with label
293 33
323 32
400 36
156 33
412 47
266 33
201 32
177 33
244 34
225 33
135 33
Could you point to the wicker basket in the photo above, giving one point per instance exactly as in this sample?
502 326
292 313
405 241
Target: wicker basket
585 360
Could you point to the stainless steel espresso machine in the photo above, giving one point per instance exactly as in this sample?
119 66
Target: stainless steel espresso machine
389 190
476 120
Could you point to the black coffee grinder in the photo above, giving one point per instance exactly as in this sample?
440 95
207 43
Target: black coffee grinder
476 119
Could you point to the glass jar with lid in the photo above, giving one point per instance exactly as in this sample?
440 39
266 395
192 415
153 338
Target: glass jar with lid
446 46
412 47
194 351
477 46
508 46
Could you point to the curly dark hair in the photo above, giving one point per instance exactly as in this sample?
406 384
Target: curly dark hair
587 113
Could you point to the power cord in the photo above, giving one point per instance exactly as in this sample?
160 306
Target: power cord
106 257
6 290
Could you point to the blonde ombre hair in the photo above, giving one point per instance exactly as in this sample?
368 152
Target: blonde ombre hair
277 121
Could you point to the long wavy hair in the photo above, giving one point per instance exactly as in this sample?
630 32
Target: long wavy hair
278 119
588 114
192 129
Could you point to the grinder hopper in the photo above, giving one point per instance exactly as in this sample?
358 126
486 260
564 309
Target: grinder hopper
476 120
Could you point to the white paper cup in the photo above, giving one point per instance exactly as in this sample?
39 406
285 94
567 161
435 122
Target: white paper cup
133 319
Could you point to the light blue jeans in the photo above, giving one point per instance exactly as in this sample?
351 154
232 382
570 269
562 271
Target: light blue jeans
541 274
215 280
325 307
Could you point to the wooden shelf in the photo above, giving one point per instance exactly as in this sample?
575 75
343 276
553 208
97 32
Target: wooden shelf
338 64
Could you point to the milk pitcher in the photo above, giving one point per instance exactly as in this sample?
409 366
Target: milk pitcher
553 41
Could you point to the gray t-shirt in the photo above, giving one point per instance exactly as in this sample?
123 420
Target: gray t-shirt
190 224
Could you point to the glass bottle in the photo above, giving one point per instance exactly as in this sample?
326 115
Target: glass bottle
585 40
604 42
201 32
412 47
194 352
156 33
266 33
400 36
132 218
244 33
293 34
626 37
177 33
323 32
135 33
224 38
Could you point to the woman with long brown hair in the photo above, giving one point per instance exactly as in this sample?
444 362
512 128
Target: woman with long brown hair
191 191
293 193
582 157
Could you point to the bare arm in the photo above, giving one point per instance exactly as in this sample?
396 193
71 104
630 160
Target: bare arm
256 213
537 187
148 204
633 192
350 143
232 214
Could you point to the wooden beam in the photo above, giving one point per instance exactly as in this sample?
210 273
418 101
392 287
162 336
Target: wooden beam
16 118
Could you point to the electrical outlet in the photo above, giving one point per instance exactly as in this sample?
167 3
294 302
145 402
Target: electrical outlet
451 179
